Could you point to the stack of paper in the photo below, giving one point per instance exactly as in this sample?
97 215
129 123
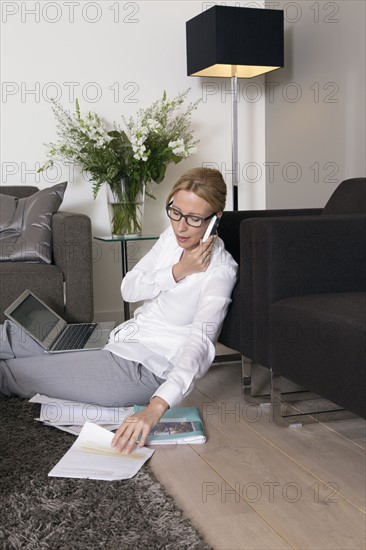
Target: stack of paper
70 416
93 457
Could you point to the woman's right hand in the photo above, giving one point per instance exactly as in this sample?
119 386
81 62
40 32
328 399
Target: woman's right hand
195 260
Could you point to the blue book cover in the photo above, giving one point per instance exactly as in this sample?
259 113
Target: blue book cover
178 425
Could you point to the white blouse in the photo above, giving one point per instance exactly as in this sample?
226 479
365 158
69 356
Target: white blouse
173 334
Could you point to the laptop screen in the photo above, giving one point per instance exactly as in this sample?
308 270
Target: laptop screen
37 319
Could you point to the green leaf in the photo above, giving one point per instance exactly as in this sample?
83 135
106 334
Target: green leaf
114 134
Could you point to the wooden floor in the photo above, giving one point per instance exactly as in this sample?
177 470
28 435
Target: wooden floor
254 485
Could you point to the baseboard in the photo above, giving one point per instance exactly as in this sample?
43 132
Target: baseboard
101 316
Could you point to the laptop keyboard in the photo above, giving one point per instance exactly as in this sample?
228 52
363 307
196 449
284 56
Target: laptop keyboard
75 336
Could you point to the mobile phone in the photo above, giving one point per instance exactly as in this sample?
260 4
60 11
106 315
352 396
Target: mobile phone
211 229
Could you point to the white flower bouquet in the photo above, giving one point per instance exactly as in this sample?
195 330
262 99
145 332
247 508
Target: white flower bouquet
156 137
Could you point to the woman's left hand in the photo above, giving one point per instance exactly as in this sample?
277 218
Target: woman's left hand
139 424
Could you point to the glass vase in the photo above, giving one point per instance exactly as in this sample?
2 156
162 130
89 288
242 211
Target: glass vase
126 208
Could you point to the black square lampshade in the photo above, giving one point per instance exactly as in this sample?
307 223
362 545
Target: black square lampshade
225 41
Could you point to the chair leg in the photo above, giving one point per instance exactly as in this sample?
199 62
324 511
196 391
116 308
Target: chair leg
257 385
248 368
289 405
276 401
283 413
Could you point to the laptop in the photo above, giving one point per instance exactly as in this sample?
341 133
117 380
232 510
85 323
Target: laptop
52 332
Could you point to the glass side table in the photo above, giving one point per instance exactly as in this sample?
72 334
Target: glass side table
124 240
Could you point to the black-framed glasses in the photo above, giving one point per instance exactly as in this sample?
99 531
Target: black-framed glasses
191 219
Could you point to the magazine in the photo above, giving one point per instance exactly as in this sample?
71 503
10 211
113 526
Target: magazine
178 425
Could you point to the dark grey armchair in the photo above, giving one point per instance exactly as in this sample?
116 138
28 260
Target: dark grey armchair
66 284
299 308
246 327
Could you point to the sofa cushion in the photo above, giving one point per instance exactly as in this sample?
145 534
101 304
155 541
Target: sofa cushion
25 225
319 341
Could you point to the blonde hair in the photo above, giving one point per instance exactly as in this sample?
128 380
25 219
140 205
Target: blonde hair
206 183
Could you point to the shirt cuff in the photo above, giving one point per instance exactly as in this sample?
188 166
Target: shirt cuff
170 392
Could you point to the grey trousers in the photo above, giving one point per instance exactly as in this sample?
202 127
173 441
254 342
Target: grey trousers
95 376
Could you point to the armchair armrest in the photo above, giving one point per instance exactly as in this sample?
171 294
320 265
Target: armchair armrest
72 253
230 222
297 256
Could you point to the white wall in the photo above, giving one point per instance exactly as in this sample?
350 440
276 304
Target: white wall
115 57
315 107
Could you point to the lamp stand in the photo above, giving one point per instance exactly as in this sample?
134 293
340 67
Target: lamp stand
234 137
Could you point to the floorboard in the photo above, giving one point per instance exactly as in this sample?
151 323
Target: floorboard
254 485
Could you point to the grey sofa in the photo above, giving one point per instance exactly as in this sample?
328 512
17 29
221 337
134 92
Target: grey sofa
299 308
66 284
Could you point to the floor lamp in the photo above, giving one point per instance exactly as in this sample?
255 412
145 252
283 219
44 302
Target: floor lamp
235 42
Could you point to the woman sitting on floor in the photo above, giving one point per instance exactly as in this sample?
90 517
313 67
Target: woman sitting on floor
155 357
